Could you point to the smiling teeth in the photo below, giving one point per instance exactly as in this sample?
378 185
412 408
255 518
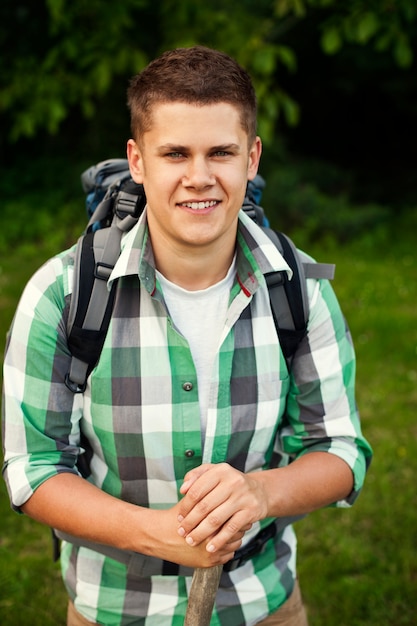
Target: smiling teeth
199 205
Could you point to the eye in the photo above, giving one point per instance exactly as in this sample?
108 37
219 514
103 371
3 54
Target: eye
221 153
174 155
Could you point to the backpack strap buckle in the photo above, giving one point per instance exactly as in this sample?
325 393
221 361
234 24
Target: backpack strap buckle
102 271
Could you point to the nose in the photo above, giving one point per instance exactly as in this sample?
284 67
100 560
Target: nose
198 174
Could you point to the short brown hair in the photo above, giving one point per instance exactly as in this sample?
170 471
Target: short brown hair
196 75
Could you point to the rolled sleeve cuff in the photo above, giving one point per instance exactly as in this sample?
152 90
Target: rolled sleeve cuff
25 477
357 455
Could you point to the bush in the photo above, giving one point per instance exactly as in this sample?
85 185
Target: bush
43 206
312 202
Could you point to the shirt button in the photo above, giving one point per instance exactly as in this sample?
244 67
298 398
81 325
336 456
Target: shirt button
189 453
187 386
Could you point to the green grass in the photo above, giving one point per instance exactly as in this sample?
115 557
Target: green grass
31 590
357 567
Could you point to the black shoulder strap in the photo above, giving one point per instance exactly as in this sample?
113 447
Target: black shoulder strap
91 302
91 305
289 298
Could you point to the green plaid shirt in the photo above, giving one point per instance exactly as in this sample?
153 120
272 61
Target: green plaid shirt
142 420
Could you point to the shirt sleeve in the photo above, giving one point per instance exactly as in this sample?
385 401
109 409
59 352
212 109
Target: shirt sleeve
322 414
39 414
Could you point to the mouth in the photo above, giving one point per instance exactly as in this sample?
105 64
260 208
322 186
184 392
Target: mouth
199 206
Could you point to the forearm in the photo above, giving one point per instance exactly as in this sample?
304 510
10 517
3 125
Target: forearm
311 482
71 504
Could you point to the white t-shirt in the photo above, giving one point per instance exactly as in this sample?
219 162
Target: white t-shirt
200 317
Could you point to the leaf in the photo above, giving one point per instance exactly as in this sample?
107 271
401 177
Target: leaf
367 26
291 110
331 41
383 42
55 9
403 53
287 57
264 61
284 7
100 76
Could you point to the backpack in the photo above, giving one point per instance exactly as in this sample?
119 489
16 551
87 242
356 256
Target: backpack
114 203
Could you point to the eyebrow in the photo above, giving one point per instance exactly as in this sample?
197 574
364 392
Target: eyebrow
234 147
172 147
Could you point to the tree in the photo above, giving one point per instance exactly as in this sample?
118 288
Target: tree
385 24
64 55
67 54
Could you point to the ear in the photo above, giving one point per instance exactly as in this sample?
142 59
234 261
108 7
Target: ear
254 158
134 157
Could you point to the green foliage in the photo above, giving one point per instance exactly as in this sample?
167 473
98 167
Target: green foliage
312 200
385 24
71 52
61 55
43 206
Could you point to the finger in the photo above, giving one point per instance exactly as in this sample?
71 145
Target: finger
193 475
222 524
226 538
225 552
201 498
205 517
212 500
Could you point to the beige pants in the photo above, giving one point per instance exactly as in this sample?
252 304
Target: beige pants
292 613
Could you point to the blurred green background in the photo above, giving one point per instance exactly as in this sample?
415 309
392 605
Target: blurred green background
337 91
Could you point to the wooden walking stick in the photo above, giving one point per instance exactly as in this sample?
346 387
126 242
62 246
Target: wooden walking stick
203 591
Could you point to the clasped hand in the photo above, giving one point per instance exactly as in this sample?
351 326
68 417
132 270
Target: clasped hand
220 504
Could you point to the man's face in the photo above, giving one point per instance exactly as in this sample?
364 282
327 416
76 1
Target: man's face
194 163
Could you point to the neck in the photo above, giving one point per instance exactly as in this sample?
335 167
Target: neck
195 268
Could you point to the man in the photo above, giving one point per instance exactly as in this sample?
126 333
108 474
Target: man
200 437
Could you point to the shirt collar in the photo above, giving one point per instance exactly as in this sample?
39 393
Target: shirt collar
257 255
136 256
